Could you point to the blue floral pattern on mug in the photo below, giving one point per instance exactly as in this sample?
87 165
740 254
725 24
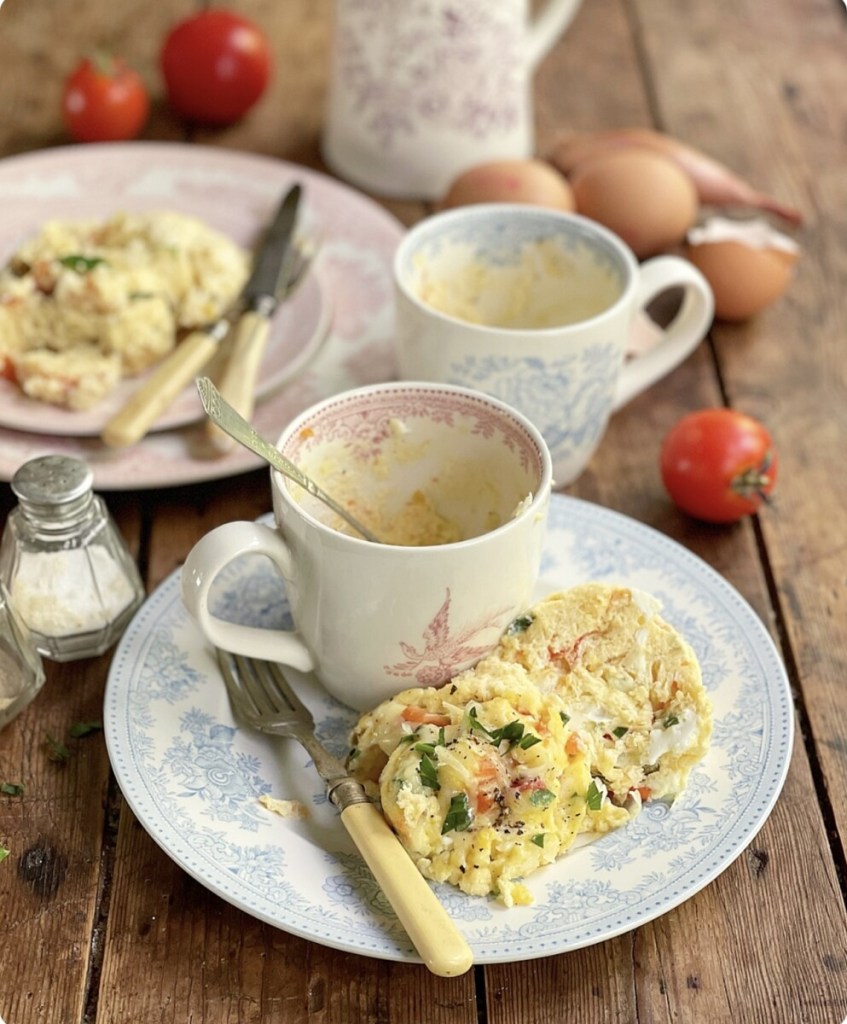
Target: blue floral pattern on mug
569 399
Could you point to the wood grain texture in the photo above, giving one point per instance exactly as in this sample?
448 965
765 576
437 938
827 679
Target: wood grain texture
101 927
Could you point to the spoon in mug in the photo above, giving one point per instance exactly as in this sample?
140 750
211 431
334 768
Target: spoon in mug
222 413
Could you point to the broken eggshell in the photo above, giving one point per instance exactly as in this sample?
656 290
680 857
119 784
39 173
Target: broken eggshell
748 264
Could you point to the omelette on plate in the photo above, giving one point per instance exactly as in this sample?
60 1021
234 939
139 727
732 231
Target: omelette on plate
85 303
590 705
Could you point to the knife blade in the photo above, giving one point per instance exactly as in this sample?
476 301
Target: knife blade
274 270
155 395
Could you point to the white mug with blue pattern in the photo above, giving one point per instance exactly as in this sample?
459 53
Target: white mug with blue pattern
537 308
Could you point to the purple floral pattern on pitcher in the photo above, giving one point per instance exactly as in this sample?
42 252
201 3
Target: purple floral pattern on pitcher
434 70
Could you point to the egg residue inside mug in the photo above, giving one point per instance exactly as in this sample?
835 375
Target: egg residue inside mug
404 492
541 286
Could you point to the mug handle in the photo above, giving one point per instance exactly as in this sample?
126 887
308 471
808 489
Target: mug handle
683 334
207 559
546 27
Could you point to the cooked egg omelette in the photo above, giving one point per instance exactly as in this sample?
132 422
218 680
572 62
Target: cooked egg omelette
479 778
85 303
590 705
630 682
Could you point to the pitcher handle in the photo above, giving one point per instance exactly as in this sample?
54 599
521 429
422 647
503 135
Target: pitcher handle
546 27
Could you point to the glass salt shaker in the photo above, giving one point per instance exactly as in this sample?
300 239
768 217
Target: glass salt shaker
68 572
21 670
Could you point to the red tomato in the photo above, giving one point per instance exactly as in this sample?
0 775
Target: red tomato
718 464
216 65
104 101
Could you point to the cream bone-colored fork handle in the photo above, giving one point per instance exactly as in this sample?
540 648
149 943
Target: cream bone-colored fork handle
155 395
237 382
434 934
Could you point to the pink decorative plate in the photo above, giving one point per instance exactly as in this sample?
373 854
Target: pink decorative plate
235 193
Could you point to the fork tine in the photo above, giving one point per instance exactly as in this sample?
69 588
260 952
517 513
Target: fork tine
280 685
240 699
253 683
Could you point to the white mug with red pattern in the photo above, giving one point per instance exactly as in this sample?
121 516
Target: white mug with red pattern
456 485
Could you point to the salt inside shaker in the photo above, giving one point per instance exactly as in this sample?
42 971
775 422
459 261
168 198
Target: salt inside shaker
67 569
21 671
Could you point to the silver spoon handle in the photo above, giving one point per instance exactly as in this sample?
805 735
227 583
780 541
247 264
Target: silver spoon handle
222 413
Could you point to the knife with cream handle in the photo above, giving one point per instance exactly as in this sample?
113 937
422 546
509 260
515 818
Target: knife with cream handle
155 395
277 266
148 402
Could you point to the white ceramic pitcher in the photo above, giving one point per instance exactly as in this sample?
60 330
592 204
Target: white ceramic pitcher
420 90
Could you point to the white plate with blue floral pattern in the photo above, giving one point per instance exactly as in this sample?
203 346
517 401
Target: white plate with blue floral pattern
193 776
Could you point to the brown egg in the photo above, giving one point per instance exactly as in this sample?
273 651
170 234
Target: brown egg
747 264
641 195
510 181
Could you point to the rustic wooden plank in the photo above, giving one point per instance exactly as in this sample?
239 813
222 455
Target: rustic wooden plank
184 955
781 366
49 884
766 941
591 78
58 832
39 47
702 961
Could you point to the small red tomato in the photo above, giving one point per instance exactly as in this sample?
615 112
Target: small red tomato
104 101
718 464
216 65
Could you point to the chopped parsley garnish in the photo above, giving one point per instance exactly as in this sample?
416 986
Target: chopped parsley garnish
594 798
519 625
56 751
541 797
512 733
428 772
565 717
81 264
11 788
539 839
4 853
79 729
670 720
621 730
458 817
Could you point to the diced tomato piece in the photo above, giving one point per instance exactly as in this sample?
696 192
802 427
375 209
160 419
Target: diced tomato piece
485 800
571 654
573 745
488 773
412 713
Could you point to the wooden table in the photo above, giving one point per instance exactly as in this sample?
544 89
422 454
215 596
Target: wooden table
100 925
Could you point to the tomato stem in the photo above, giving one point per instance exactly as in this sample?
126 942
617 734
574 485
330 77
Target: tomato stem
755 481
103 62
